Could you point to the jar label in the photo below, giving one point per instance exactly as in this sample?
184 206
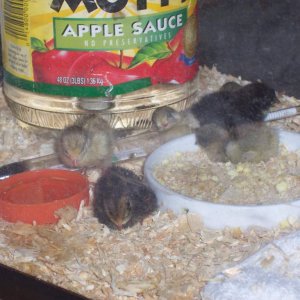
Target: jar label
90 48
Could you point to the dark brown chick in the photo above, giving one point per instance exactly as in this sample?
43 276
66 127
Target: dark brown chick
86 144
121 199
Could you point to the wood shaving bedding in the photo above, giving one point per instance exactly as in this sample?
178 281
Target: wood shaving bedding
168 257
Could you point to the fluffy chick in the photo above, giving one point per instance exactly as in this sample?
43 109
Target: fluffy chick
256 143
213 140
121 199
170 123
88 143
252 143
165 117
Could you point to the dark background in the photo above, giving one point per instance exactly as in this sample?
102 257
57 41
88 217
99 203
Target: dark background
254 39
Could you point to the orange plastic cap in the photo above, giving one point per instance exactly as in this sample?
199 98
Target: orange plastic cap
34 196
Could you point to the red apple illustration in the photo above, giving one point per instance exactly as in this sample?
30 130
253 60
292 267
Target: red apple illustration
53 65
103 68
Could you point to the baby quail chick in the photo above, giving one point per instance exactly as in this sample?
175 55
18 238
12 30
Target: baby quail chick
165 117
88 143
170 123
213 140
256 143
121 199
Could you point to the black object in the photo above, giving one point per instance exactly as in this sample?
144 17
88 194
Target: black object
254 39
11 169
45 161
16 285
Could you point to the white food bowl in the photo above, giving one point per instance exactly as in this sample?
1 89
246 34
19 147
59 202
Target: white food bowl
218 216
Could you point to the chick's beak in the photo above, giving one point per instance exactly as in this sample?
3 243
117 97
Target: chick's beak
119 226
75 162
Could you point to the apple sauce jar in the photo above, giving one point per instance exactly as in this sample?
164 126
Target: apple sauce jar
123 59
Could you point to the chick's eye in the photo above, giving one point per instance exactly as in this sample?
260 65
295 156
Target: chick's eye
170 115
128 205
65 152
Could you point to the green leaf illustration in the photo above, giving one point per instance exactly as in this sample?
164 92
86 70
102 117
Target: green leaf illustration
38 45
155 50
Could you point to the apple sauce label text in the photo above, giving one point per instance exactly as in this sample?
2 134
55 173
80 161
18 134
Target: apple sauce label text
116 34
